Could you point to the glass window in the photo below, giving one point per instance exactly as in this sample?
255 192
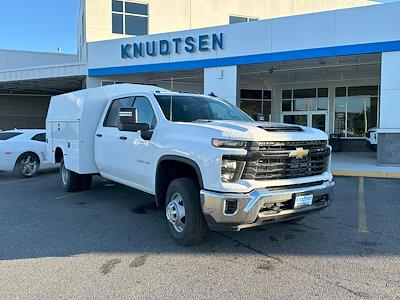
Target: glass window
41 137
363 90
295 119
135 25
112 118
8 135
340 92
129 18
286 105
234 19
322 104
136 8
300 104
356 110
305 93
287 94
340 115
117 6
251 107
117 23
267 107
356 116
144 111
267 94
251 94
322 93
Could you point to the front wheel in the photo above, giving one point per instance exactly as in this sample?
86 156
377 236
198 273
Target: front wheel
183 211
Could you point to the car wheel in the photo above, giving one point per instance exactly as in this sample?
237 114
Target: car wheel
27 165
69 179
183 211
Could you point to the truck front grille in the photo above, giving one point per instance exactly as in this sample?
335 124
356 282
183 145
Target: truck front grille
271 160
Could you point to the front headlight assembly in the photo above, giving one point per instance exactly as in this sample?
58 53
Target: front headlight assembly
231 170
222 143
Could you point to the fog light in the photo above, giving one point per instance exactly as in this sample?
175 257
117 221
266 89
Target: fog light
231 207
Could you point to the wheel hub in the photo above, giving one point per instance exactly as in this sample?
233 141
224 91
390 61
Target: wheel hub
175 212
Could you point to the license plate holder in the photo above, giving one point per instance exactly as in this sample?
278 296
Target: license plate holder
303 200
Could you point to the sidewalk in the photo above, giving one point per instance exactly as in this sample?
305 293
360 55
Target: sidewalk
361 164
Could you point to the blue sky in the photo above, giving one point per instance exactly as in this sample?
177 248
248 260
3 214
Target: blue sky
39 25
42 25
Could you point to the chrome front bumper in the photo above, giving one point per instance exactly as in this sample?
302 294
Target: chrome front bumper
254 208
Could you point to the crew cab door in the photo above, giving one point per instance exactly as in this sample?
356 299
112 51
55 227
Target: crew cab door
108 146
138 149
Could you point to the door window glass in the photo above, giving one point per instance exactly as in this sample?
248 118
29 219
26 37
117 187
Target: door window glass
144 112
41 137
112 118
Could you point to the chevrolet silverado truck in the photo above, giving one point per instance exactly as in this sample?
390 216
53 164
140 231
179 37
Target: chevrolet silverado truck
207 163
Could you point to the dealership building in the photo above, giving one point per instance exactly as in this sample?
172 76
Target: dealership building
333 65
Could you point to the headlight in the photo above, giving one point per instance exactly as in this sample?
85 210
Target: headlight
231 170
220 143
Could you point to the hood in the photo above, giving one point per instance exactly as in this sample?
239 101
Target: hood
261 131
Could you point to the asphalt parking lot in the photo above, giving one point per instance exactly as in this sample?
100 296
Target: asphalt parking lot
111 242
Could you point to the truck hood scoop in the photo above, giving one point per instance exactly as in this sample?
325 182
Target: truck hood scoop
278 128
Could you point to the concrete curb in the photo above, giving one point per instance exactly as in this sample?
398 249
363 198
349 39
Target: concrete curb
360 173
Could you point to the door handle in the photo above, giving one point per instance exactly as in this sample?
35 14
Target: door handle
123 138
99 135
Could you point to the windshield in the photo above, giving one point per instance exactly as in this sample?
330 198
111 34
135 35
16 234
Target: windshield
198 108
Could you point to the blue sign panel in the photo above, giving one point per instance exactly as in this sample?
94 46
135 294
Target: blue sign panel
178 45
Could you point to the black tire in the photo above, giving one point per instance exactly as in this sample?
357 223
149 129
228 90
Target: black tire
85 182
27 165
194 225
293 221
70 181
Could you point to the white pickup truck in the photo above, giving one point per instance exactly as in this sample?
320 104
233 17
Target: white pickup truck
206 162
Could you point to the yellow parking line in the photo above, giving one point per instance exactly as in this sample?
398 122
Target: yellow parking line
362 217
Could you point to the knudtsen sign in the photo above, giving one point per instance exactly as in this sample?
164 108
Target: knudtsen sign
190 44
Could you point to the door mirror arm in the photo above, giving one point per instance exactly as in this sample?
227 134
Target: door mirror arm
146 134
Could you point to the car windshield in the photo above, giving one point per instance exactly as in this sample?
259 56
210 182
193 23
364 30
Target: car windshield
198 108
8 135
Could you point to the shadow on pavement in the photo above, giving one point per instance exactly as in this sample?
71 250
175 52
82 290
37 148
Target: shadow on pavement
37 219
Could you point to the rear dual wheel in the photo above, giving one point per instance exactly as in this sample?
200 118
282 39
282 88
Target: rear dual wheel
73 182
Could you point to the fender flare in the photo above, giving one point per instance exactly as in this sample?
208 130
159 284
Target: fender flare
181 159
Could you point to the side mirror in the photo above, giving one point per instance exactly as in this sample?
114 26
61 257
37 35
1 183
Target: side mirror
127 120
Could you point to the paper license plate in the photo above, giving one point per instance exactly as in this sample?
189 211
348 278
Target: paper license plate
303 200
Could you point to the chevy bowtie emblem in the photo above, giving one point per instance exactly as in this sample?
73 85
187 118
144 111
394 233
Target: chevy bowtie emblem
298 153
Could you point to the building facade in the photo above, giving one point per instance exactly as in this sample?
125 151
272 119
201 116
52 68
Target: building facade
306 63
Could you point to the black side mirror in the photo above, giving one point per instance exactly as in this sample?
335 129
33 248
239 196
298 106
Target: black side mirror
127 120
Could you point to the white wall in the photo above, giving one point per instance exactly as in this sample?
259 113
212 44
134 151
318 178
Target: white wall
173 15
223 82
13 59
390 91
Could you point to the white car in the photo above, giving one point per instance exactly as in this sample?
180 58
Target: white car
23 151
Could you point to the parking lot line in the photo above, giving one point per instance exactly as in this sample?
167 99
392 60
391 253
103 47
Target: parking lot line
362 217
15 181
68 196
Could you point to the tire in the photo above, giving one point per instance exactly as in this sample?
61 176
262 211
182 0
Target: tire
70 181
184 193
85 182
27 165
294 221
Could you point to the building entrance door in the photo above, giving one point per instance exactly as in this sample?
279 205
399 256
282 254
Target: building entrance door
313 119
